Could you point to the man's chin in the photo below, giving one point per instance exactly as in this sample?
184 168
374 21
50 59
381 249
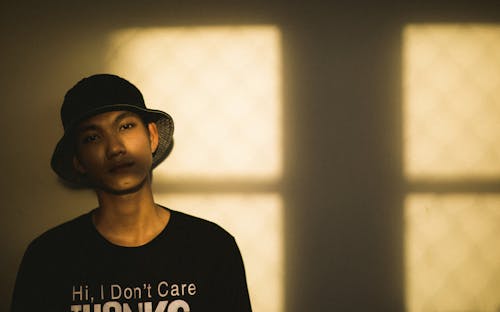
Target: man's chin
124 189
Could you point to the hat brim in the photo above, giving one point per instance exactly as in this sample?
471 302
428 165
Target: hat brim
62 158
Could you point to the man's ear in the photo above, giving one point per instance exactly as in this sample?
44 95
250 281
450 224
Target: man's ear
78 165
153 136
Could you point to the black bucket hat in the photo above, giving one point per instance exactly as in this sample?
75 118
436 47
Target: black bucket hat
99 94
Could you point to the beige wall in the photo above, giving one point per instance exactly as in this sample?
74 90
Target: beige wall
343 189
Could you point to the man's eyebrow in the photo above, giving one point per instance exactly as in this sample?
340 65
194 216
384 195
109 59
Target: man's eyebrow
125 115
89 126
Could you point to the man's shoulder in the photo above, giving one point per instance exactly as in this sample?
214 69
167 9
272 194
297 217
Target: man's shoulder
67 232
198 228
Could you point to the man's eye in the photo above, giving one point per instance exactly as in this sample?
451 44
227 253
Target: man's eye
127 126
90 138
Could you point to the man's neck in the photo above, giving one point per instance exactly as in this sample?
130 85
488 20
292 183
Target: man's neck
129 219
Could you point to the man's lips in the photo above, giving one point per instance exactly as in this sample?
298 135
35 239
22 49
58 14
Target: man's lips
121 166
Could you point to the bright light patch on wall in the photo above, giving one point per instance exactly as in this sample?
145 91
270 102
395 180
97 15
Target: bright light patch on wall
453 259
255 220
451 134
452 101
222 86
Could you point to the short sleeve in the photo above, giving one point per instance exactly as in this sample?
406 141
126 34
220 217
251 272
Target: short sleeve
231 275
28 294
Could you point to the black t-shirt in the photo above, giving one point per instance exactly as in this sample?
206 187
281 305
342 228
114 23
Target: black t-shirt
192 265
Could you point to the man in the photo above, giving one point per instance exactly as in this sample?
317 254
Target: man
129 254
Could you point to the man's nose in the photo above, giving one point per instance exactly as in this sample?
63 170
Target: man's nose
114 146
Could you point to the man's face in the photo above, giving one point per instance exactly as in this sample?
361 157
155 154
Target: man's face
114 151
